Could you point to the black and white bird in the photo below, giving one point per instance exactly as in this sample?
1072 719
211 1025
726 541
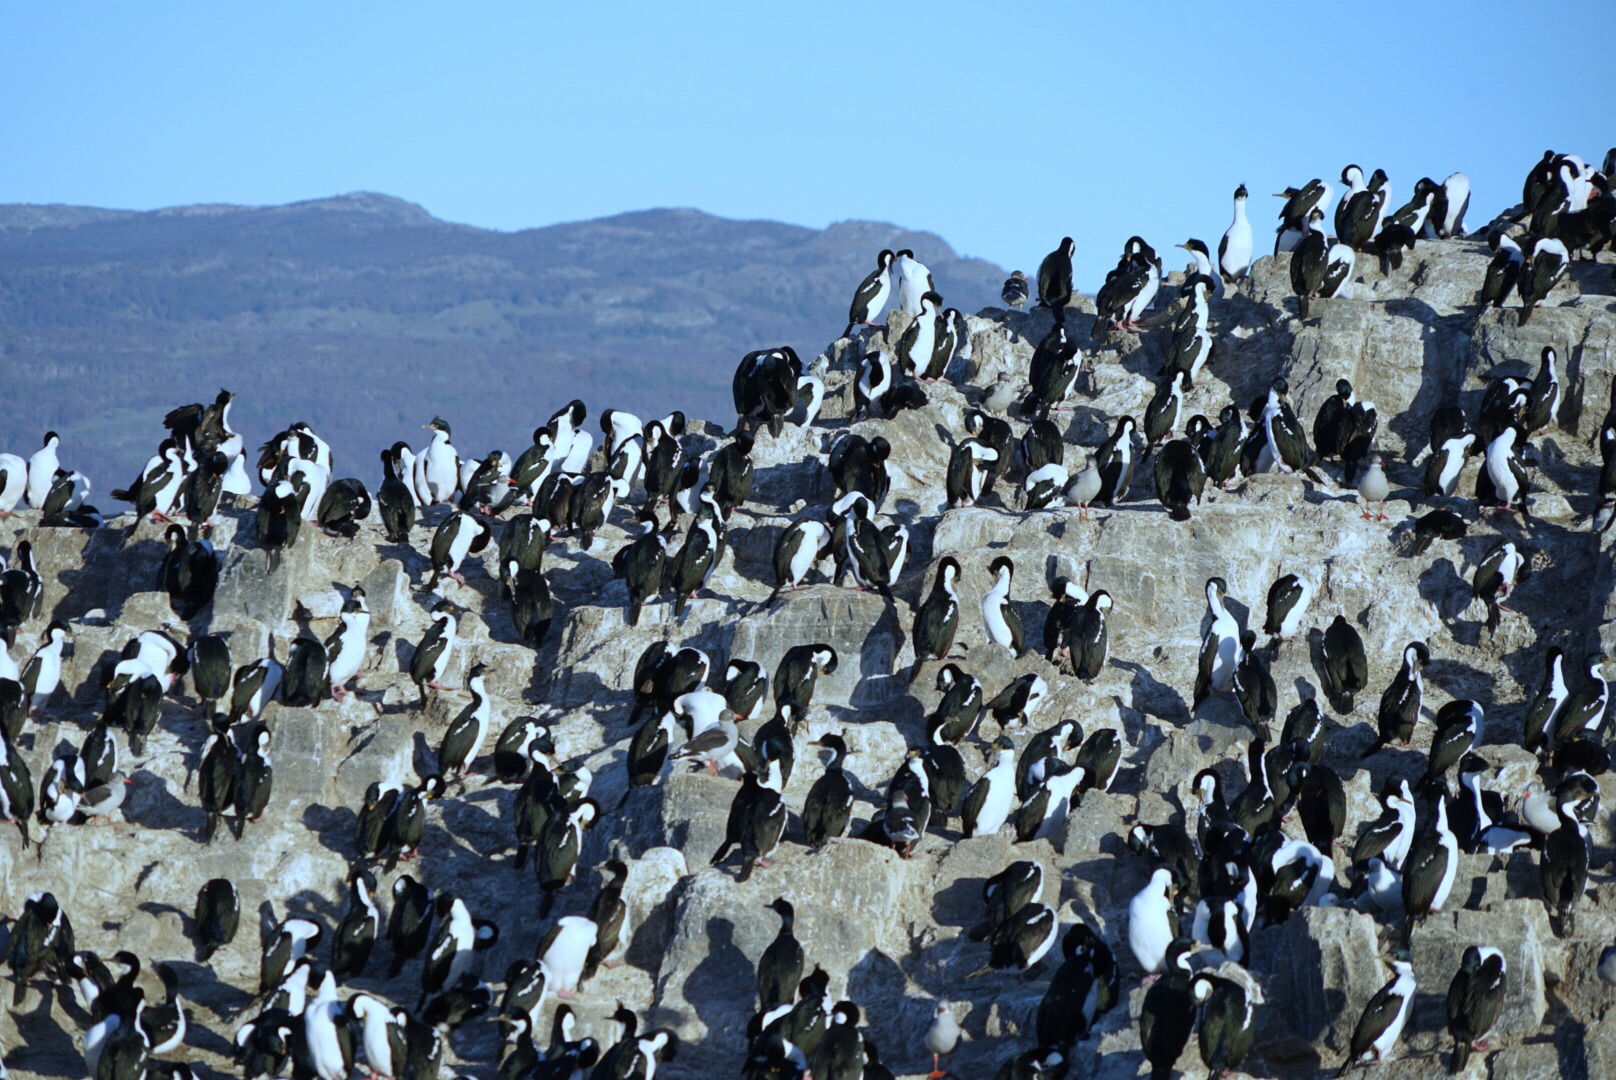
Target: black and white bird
827 810
779 969
1167 1014
970 466
1501 482
1361 208
1088 635
1475 999
1541 722
1022 940
256 684
1180 475
356 933
1055 279
1129 288
1584 709
1310 262
871 296
1238 245
1295 214
430 661
1228 1000
1545 265
1382 1021
1015 292
917 344
345 648
1153 922
988 803
802 545
1401 701
458 536
1165 409
999 612
1220 647
1496 574
912 280
1202 265
1346 667
1432 864
216 916
1450 445
464 737
1288 600
1284 444
1503 271
938 618
1115 462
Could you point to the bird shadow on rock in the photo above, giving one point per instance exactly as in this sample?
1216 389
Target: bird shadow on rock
157 909
1440 586
90 694
1317 496
423 759
1302 1014
1315 656
309 904
469 823
334 827
876 982
1445 342
721 987
775 487
1461 680
152 806
751 549
877 656
38 1044
1133 353
960 905
1088 427
191 732
1114 869
1151 695
609 706
200 986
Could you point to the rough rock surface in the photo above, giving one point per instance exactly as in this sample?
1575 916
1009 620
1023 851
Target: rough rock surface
890 931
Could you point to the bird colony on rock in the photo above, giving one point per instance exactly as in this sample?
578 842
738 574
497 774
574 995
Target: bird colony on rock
957 662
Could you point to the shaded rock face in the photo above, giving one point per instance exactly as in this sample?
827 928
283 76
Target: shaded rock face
890 932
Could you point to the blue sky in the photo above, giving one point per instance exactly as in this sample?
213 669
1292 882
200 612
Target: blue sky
1000 127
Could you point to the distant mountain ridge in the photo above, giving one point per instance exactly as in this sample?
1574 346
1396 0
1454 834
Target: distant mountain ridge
365 315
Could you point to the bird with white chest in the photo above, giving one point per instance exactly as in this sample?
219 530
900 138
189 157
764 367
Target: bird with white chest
913 280
42 470
999 612
437 467
1238 243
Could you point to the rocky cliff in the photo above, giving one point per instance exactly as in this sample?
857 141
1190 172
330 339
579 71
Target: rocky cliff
890 931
